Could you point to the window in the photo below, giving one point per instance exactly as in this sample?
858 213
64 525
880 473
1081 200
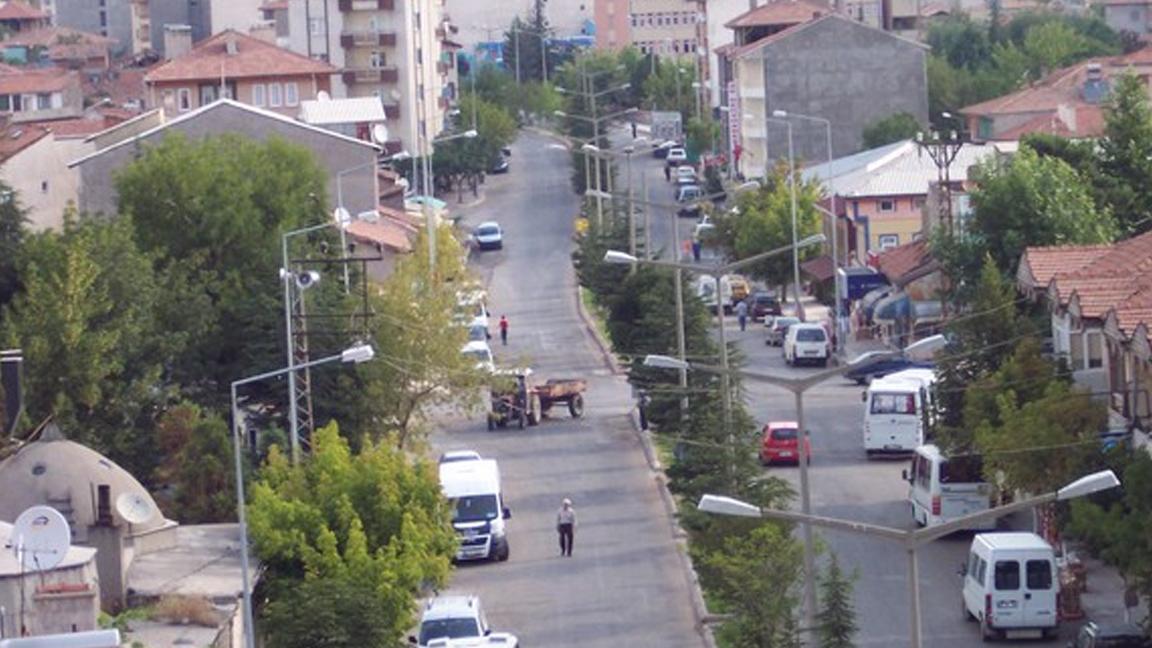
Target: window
5 103
981 571
887 205
963 469
316 26
1095 343
893 404
973 564
275 100
44 186
184 99
1007 575
43 101
1039 574
103 18
889 241
922 469
207 94
168 98
291 94
258 95
377 59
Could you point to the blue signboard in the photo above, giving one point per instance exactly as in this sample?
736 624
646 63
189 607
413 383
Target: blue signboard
857 282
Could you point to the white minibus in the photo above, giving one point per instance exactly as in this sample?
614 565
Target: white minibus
897 408
942 488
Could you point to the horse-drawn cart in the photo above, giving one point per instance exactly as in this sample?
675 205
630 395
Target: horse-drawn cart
516 398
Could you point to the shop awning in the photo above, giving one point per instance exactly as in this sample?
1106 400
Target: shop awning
892 308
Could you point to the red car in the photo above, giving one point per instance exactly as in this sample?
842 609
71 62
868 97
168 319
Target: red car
780 444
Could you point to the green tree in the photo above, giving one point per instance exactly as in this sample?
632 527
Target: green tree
373 518
211 213
890 129
197 460
836 621
342 613
758 576
13 231
1053 45
526 38
669 87
1126 153
467 159
1034 200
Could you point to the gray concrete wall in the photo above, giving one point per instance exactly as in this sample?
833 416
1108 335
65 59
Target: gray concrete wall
85 16
179 12
1132 18
98 192
847 73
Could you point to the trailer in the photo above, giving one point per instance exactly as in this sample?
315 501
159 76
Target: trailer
516 398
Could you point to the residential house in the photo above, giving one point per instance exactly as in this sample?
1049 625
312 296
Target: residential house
378 52
349 163
35 94
236 66
17 16
138 25
1100 300
60 46
1129 16
1069 102
881 193
796 57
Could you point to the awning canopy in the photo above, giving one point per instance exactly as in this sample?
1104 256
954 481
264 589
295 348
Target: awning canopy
869 300
927 312
892 308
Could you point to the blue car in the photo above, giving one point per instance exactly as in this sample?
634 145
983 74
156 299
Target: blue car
869 372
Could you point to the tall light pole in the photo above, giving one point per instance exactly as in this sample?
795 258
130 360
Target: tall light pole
792 185
357 354
429 222
717 271
543 52
912 540
831 182
595 121
343 217
291 305
798 386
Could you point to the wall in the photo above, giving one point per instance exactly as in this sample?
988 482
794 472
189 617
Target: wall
233 14
718 13
306 88
1127 17
613 24
847 73
41 178
334 154
85 16
51 613
179 12
904 221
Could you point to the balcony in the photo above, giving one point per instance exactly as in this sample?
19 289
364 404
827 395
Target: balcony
350 39
370 75
366 5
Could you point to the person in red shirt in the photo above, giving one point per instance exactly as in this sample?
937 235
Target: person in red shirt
504 330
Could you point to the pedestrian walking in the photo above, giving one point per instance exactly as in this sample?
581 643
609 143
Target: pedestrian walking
667 172
504 330
566 526
742 313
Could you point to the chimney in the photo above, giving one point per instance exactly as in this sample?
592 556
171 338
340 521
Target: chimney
11 364
177 41
230 44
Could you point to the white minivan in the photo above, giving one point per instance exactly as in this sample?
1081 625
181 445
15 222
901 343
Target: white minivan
479 513
1010 585
897 408
941 489
806 342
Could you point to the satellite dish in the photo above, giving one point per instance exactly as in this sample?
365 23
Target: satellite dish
395 93
380 134
40 538
323 96
341 216
135 508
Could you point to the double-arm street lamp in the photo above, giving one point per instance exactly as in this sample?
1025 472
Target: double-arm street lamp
717 271
798 386
355 354
596 121
792 186
543 51
911 540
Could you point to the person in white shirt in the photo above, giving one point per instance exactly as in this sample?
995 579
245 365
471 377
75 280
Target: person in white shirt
566 526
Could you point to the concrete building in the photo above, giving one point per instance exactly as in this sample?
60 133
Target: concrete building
34 94
1132 16
670 28
613 24
334 152
399 52
17 16
796 58
487 22
235 65
60 46
63 599
111 18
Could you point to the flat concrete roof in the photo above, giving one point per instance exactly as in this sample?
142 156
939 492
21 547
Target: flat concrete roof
204 563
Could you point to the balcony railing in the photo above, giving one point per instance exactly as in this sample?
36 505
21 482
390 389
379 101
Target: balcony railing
350 39
365 5
370 75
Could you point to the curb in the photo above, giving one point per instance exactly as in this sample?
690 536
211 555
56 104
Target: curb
601 343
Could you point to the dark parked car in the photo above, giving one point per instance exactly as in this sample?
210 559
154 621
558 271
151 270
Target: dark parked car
499 165
873 370
763 304
1110 635
660 151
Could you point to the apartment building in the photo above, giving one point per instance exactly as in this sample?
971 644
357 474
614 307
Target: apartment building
483 23
401 51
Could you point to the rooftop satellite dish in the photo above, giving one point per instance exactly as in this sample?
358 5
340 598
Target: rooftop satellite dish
323 96
40 538
380 134
135 508
341 216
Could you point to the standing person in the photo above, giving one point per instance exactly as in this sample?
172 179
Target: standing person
742 313
504 330
667 172
566 526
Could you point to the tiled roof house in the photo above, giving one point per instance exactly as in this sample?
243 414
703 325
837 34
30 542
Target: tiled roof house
33 94
62 46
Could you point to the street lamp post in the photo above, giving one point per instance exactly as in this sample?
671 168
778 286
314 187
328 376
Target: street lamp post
543 52
717 272
792 186
835 219
914 539
595 121
429 187
798 387
356 354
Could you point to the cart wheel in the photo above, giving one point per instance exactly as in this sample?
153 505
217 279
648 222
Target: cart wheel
534 411
576 406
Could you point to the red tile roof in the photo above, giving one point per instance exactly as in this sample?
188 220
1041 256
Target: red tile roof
80 127
120 85
821 268
779 12
1044 263
17 80
1078 121
384 231
902 260
16 10
16 138
253 58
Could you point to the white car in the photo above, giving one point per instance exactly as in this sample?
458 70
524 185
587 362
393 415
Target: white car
459 455
458 619
482 353
677 156
684 174
489 236
806 342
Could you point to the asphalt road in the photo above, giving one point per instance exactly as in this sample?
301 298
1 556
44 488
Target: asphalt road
625 584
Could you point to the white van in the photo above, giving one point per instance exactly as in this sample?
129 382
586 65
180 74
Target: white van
806 342
706 291
479 512
1010 585
942 488
897 408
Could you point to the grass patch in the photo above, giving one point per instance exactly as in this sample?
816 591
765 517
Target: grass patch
665 449
186 610
596 312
